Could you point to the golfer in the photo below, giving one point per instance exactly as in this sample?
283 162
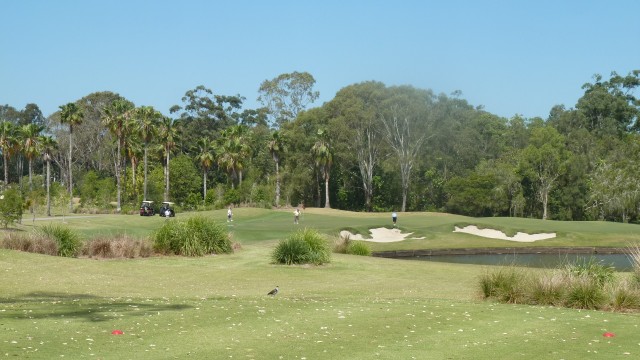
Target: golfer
296 216
229 215
394 217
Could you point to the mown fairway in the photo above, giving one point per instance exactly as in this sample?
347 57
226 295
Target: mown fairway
216 307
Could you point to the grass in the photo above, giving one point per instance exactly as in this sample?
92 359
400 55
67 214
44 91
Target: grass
352 308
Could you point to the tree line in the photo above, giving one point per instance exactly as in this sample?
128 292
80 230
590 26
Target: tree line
372 147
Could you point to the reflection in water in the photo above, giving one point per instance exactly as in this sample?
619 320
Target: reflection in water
621 262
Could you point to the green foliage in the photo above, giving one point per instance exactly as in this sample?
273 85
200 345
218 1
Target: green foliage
185 179
196 236
592 270
506 284
585 293
11 206
231 196
67 240
305 246
358 248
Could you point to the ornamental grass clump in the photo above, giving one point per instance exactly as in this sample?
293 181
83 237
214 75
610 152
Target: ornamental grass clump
305 246
358 248
196 236
507 284
67 241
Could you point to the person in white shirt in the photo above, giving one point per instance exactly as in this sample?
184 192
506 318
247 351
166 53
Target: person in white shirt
229 215
394 217
296 216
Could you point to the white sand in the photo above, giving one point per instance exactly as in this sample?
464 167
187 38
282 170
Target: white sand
496 234
379 235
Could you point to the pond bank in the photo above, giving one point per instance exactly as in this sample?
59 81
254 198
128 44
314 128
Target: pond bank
397 254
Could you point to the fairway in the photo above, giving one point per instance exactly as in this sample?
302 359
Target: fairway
216 307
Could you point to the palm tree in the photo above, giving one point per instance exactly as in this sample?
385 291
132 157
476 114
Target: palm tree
147 125
71 114
114 118
6 145
47 146
233 149
324 159
30 146
168 132
206 158
276 148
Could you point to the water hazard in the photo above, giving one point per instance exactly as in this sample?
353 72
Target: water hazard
621 262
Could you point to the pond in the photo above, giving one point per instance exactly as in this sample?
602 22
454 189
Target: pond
621 262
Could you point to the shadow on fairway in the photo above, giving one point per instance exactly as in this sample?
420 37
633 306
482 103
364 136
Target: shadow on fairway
52 305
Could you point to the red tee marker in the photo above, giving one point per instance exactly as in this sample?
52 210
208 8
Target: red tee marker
117 332
608 334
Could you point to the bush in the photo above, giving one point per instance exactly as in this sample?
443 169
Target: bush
358 248
507 284
10 206
591 269
67 241
30 243
634 255
549 289
195 236
625 297
585 293
305 246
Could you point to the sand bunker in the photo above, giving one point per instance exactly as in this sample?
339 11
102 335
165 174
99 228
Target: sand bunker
379 235
496 234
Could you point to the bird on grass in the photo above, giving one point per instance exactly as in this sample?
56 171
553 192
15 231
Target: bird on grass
273 292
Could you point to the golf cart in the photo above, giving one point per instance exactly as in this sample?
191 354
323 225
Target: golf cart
166 210
146 209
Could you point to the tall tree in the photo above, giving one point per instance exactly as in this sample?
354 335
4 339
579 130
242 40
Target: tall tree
147 123
544 160
234 150
276 148
324 160
168 134
72 115
48 145
31 147
286 95
206 157
115 116
7 140
405 120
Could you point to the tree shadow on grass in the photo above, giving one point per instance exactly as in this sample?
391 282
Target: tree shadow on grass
85 307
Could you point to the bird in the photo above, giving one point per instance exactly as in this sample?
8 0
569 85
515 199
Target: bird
273 292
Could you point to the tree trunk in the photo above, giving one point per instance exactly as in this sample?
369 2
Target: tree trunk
326 192
145 173
70 174
48 188
166 179
6 167
277 184
204 181
118 178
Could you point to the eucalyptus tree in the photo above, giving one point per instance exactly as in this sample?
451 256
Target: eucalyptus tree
147 121
7 130
405 120
206 158
72 115
544 160
31 136
287 95
115 116
355 110
47 146
323 156
276 148
168 132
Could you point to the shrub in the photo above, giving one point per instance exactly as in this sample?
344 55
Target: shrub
625 297
358 248
67 241
506 284
585 293
548 289
30 243
342 243
305 246
195 236
591 269
10 206
634 255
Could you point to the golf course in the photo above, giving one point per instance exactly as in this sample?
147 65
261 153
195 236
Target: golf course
354 307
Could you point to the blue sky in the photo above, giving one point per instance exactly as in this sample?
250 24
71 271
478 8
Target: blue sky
512 57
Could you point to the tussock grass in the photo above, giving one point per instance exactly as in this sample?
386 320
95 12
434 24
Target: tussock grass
306 246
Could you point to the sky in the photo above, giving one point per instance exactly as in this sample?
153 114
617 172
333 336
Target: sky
510 57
